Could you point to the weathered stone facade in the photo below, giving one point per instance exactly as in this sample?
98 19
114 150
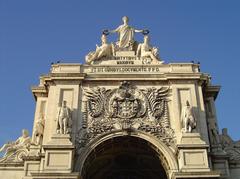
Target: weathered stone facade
124 103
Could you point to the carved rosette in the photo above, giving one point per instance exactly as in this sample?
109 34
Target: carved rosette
128 108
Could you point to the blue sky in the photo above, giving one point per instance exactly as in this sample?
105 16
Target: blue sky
35 33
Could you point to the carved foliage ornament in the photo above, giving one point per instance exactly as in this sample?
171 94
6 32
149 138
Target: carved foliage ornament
128 108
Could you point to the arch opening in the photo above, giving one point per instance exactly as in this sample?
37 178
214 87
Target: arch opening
124 157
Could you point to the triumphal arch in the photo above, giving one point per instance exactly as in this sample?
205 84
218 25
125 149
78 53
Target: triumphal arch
124 114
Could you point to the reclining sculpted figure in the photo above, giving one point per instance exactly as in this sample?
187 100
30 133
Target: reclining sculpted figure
101 51
230 146
22 142
146 50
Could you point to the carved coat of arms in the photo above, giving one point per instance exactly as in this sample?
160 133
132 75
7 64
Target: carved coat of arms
128 107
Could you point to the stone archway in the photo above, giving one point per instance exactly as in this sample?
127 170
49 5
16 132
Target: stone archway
123 158
124 155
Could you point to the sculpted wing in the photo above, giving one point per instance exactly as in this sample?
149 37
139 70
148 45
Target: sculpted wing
157 102
96 101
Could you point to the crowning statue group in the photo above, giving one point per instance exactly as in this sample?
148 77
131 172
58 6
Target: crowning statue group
125 42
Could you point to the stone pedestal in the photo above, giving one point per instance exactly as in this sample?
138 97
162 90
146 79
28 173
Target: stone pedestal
31 165
59 154
60 140
217 148
192 154
125 54
32 161
219 160
193 158
34 150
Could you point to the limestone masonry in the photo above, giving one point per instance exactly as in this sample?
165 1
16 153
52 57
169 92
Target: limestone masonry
125 114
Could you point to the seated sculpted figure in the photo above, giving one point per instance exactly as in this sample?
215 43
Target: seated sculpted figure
103 51
22 142
231 147
187 118
64 119
146 50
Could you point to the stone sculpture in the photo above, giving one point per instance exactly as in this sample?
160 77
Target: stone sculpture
214 135
64 119
103 51
226 140
38 130
12 149
145 50
128 108
126 35
188 118
126 49
231 147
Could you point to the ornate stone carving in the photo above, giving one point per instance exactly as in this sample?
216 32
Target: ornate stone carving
105 50
188 118
147 52
14 151
64 120
38 130
126 50
126 35
125 103
85 114
213 132
231 147
128 108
